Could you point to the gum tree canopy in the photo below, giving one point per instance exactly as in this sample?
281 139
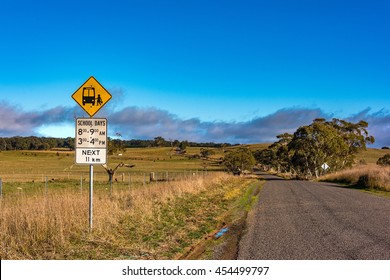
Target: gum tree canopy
239 159
303 153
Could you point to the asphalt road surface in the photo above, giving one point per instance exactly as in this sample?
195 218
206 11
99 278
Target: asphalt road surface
302 220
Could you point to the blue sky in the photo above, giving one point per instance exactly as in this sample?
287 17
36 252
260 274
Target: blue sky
237 71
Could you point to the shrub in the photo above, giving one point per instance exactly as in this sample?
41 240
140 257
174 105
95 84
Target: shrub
384 161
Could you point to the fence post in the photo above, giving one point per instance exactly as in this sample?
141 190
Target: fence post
1 188
46 185
81 184
152 176
112 178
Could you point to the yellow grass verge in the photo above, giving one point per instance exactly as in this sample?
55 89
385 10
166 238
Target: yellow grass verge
375 177
153 222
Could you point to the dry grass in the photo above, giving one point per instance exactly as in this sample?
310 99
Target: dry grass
373 177
153 222
370 156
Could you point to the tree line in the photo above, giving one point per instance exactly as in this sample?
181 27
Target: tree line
35 143
162 142
49 143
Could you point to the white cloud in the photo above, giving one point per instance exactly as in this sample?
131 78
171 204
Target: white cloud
147 123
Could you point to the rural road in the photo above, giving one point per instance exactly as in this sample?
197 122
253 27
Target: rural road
303 220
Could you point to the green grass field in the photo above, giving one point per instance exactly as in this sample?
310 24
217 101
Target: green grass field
28 166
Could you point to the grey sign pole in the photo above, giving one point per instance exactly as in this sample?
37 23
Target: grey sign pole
90 196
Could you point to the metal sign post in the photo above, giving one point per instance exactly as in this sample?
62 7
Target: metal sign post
91 133
90 196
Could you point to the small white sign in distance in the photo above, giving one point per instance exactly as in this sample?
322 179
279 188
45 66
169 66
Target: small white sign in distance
325 166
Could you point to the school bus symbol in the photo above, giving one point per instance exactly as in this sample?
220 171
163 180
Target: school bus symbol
91 96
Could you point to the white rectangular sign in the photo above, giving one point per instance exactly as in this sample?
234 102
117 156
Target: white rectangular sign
91 156
91 141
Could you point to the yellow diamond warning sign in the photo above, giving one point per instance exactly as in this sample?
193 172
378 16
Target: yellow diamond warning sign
91 96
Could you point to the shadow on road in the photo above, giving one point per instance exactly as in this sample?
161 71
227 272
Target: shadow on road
273 178
268 177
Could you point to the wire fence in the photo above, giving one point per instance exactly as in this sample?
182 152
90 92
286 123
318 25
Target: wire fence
102 176
45 181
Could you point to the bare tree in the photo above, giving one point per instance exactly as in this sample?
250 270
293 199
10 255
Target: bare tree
111 171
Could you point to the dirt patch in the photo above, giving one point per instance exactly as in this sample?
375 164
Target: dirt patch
228 249
222 248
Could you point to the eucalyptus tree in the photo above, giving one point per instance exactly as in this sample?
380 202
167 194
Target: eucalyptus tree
303 153
316 144
239 159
